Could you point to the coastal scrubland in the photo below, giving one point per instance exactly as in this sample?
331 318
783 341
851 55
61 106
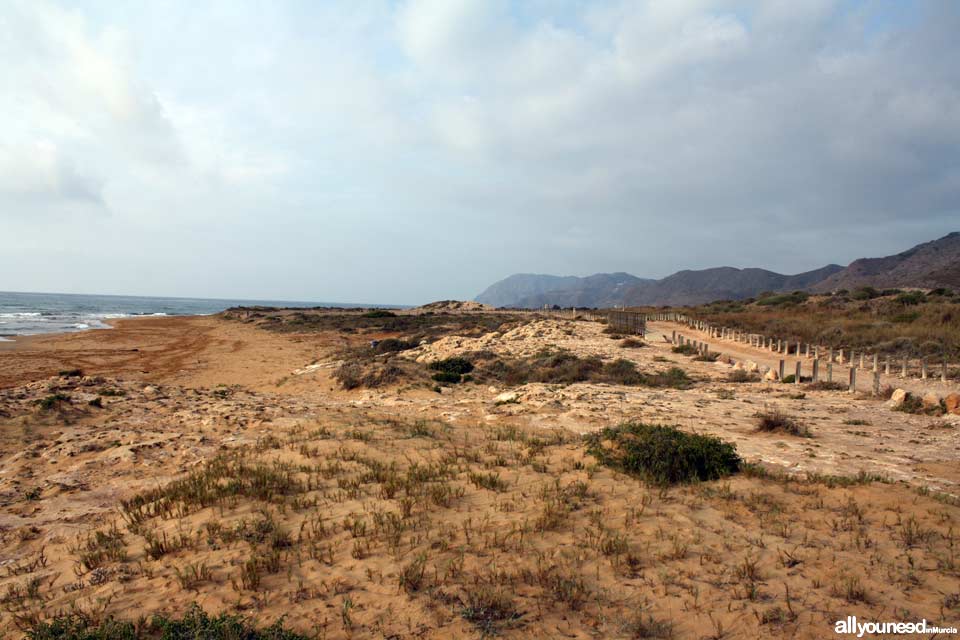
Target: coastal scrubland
893 322
510 476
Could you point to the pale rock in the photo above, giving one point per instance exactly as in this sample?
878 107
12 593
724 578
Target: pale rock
897 399
772 375
931 399
507 396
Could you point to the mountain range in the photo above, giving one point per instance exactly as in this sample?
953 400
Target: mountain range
928 266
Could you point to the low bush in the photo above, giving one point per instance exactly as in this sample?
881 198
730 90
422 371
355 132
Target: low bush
742 375
782 300
632 343
563 367
379 313
823 385
663 454
673 378
620 371
685 349
777 421
53 401
454 365
914 404
392 345
450 370
195 623
353 375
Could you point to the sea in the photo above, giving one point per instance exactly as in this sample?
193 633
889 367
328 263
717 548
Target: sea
23 314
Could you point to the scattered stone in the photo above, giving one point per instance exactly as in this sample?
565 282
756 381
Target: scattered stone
952 403
507 396
931 399
772 375
897 399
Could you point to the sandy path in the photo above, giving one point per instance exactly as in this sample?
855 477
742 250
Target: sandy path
739 351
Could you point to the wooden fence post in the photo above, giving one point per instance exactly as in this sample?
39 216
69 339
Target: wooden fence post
796 376
853 380
816 370
781 370
876 383
829 372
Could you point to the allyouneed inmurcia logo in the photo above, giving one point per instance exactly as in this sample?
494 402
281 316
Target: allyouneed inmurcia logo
850 625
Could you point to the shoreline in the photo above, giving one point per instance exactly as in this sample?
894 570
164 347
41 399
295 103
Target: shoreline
12 343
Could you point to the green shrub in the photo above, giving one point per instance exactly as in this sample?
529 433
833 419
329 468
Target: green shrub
563 367
865 293
620 371
789 379
910 298
663 454
673 378
782 300
445 377
685 349
53 401
914 404
391 345
353 375
454 365
379 313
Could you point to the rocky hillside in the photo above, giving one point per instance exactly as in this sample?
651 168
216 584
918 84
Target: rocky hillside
930 265
529 290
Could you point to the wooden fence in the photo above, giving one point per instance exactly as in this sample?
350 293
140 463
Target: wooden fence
823 359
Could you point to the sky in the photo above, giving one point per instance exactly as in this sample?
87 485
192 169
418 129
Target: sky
412 150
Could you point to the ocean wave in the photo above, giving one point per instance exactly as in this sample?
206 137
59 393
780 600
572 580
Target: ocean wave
21 314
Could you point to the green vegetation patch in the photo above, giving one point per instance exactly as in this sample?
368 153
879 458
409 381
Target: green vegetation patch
782 300
194 625
663 454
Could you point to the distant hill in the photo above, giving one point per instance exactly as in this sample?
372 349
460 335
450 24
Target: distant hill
527 290
928 266
720 283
